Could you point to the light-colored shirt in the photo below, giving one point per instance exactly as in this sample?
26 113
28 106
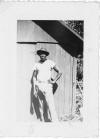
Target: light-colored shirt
44 70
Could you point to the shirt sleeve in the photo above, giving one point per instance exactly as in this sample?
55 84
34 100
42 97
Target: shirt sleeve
52 64
35 67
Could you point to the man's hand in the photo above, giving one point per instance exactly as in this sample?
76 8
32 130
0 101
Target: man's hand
51 81
31 110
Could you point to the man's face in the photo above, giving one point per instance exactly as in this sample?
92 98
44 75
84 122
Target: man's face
43 57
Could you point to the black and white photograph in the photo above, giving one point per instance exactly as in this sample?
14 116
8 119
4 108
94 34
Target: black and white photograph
50 70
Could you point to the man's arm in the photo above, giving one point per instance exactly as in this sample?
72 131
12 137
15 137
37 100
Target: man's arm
58 73
57 76
34 76
31 101
31 95
33 92
34 82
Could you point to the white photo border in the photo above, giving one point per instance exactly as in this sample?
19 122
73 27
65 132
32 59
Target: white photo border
9 14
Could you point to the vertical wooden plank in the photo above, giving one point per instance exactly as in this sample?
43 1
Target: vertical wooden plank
60 91
74 68
71 84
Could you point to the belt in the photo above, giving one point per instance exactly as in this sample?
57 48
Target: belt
42 81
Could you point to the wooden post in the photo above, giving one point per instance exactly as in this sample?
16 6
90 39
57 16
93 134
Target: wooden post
74 73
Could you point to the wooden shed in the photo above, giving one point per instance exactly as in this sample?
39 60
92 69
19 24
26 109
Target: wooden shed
63 45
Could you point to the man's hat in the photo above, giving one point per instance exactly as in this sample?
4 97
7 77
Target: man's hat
43 51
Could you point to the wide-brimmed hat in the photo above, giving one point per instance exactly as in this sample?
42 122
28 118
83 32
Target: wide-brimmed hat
43 51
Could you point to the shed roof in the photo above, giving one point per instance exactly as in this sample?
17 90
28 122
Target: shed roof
66 38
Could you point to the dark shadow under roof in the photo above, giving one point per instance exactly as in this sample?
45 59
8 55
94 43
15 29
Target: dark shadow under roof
65 38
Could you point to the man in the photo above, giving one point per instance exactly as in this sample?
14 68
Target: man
43 83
